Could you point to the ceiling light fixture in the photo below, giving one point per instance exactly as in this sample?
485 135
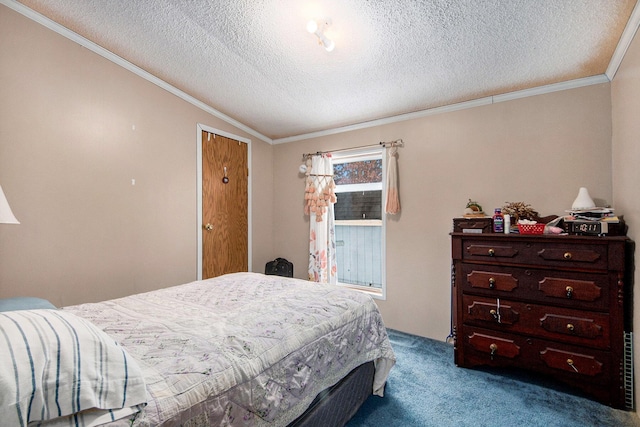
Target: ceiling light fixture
314 28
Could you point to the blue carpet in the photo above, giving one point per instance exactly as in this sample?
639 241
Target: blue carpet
425 388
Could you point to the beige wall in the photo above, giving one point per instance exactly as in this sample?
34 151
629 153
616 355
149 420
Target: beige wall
75 129
625 94
539 150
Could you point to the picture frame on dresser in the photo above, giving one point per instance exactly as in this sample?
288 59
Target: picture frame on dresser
557 305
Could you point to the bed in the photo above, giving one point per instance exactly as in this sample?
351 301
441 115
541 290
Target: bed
244 349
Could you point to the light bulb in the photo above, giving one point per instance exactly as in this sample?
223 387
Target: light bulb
328 44
312 26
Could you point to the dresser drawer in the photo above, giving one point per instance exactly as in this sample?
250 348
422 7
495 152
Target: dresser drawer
536 253
487 347
579 327
589 291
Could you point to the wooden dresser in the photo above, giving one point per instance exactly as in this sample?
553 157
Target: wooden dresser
556 305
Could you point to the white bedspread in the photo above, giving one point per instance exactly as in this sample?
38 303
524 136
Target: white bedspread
243 349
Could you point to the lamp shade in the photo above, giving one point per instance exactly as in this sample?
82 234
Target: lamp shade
6 216
583 201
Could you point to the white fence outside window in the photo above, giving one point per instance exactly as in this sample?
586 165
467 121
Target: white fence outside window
358 254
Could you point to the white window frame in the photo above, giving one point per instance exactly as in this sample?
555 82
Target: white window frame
372 153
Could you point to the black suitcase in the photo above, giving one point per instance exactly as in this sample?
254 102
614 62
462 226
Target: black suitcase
279 267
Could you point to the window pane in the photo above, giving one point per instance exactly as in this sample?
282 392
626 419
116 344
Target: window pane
359 239
358 172
358 255
358 205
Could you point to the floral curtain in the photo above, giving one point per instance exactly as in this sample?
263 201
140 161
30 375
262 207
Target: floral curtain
319 201
392 205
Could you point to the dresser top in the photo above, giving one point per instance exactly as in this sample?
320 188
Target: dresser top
540 237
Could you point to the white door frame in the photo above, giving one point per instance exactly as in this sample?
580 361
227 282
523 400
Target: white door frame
200 128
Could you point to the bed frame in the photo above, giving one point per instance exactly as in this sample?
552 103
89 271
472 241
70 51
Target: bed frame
338 404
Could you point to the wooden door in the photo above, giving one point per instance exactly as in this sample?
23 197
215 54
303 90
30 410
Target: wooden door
224 206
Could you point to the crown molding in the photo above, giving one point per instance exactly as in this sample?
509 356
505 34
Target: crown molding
625 41
65 32
555 87
540 90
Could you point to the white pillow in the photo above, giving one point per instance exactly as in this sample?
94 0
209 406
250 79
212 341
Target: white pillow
54 364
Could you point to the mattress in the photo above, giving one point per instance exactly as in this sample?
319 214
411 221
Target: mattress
244 349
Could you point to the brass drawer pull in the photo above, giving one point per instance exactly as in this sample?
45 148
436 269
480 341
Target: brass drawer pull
494 314
494 349
569 290
567 255
570 327
570 363
492 252
492 282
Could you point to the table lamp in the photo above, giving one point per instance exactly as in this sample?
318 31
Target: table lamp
6 216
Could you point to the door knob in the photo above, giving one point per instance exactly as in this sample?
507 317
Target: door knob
208 227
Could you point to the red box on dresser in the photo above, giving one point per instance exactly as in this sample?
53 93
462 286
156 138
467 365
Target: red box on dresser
556 305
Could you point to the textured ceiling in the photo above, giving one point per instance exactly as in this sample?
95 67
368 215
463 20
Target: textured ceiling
254 61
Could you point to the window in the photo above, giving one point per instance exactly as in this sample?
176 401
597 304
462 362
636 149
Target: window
360 225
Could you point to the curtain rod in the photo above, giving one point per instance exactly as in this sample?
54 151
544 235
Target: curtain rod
396 143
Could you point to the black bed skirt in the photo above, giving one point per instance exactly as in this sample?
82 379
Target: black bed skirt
335 406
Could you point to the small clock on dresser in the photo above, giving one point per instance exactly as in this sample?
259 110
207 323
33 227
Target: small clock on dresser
556 305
